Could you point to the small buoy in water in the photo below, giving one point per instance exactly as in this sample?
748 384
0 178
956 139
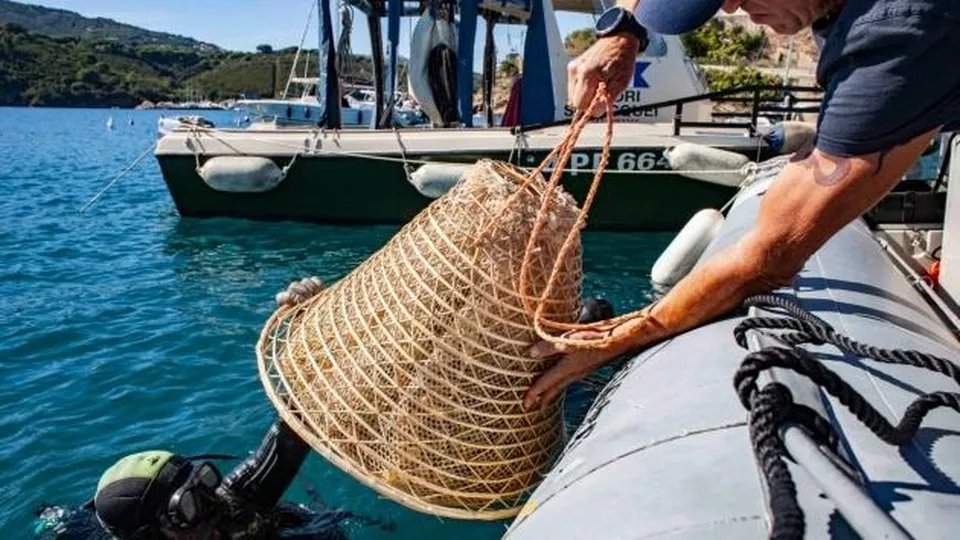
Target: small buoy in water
686 248
688 158
110 123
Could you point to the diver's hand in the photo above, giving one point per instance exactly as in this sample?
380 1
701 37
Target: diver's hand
299 291
610 60
576 362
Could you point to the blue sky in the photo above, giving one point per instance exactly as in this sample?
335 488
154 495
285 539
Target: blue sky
244 24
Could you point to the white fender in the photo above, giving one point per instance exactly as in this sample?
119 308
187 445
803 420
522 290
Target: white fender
688 158
241 174
686 248
435 179
428 33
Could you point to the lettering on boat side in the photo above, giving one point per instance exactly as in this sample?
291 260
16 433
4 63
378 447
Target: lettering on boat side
587 162
622 105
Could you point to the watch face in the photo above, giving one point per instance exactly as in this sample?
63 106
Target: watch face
609 19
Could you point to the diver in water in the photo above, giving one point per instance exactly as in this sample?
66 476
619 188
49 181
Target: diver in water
159 495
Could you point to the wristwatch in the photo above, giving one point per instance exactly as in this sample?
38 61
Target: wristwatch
616 20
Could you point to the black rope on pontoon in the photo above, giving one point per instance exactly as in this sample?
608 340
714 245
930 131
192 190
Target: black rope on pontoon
773 405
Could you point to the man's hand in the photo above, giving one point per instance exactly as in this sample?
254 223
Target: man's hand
575 362
611 60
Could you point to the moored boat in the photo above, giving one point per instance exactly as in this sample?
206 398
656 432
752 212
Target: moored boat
337 175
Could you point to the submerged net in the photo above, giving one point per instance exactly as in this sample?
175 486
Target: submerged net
409 373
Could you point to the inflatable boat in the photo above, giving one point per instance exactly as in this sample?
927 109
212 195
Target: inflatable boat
670 450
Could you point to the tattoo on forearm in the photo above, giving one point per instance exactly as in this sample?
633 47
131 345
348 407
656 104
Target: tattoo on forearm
878 158
841 166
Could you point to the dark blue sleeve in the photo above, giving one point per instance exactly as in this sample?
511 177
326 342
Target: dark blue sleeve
891 72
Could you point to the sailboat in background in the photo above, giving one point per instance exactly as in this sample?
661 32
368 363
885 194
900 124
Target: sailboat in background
358 102
326 170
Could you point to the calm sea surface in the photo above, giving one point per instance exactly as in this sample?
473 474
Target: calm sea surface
128 328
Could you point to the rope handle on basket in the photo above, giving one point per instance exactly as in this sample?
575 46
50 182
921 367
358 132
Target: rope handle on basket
562 152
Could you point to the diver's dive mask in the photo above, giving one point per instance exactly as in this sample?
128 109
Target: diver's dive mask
196 500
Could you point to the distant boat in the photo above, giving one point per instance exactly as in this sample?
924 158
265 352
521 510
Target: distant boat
110 123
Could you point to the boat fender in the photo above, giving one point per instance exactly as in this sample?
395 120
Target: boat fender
433 42
689 158
686 248
434 180
241 174
790 137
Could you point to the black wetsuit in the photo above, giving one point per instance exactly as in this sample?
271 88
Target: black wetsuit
253 489
251 495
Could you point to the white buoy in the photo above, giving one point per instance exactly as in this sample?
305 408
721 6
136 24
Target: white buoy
689 158
686 248
241 174
435 179
110 123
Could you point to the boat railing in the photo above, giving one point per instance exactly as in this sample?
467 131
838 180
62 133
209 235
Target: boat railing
748 105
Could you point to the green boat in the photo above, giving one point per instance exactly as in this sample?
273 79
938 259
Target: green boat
362 176
277 171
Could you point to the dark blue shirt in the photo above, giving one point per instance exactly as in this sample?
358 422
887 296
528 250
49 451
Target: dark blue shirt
891 70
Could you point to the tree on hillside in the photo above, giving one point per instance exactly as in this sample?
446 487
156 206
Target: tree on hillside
720 79
718 43
510 66
264 49
579 41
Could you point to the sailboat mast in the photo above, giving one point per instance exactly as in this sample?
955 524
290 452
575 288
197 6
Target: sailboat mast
328 87
394 10
467 35
296 57
376 53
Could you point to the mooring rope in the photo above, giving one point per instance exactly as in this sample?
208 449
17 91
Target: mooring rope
411 161
118 177
773 405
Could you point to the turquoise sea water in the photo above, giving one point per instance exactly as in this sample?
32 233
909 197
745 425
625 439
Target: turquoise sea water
128 328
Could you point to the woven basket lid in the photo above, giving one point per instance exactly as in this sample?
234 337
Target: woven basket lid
409 372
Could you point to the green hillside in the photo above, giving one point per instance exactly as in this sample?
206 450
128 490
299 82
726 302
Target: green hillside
62 23
47 71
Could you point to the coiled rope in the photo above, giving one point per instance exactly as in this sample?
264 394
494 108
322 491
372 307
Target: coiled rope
773 405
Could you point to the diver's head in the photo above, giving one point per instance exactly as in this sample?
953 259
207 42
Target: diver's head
157 495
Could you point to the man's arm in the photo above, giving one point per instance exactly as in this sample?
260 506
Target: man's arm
809 202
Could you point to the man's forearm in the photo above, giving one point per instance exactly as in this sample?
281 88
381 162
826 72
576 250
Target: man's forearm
708 292
810 201
629 5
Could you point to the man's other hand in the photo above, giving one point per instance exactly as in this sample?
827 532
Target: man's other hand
610 60
575 362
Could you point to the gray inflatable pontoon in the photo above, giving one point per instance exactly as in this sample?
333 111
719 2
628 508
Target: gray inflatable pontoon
666 451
